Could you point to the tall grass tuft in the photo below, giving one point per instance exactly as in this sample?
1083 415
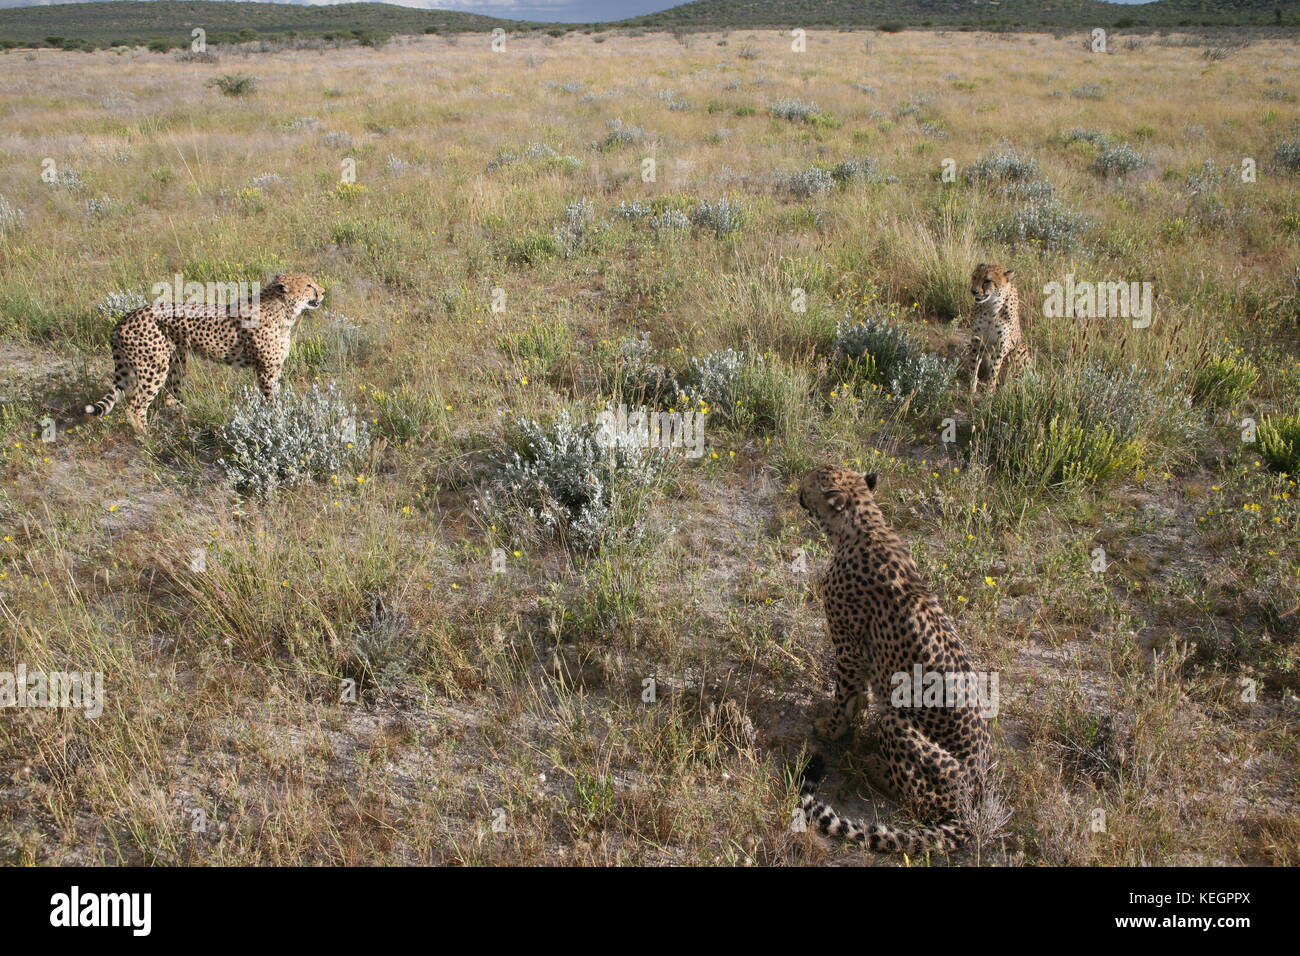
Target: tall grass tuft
1072 427
1279 442
1223 380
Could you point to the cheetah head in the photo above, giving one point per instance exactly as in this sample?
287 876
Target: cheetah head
990 283
298 290
830 491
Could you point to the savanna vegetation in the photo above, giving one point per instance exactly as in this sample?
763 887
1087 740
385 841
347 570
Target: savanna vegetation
416 612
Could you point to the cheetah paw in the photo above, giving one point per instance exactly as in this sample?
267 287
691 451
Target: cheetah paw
829 728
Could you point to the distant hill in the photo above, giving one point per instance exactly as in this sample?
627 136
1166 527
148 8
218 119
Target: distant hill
956 13
141 21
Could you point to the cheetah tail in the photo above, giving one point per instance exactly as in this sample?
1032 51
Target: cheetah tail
944 836
121 378
105 404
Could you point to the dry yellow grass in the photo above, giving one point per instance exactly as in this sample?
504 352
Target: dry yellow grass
520 699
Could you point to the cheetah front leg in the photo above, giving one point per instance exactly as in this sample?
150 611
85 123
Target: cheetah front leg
268 378
975 364
850 687
996 367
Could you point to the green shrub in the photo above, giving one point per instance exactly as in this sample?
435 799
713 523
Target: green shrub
542 344
1288 154
575 231
619 134
1279 442
1040 221
795 111
235 84
1003 167
886 355
712 382
292 439
722 217
1119 160
809 183
634 374
1223 380
572 486
534 247
1071 427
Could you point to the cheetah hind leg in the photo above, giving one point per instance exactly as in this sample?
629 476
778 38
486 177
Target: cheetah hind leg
148 383
175 377
876 769
918 771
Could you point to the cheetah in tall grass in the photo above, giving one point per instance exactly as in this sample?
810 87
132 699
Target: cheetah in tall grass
150 345
885 622
998 352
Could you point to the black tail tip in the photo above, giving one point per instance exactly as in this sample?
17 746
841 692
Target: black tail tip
812 773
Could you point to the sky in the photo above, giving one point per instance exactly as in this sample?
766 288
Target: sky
563 11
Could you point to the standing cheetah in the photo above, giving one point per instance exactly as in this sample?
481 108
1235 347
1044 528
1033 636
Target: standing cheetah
884 622
150 344
998 352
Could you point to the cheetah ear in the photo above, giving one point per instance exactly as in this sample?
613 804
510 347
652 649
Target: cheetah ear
276 287
871 481
837 500
1010 273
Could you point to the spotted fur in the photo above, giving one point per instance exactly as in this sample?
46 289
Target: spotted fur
883 620
998 352
150 345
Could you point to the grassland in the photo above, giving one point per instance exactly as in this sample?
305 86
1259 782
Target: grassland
1159 686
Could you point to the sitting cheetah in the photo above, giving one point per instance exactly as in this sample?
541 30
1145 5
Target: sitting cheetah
884 622
150 344
998 352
